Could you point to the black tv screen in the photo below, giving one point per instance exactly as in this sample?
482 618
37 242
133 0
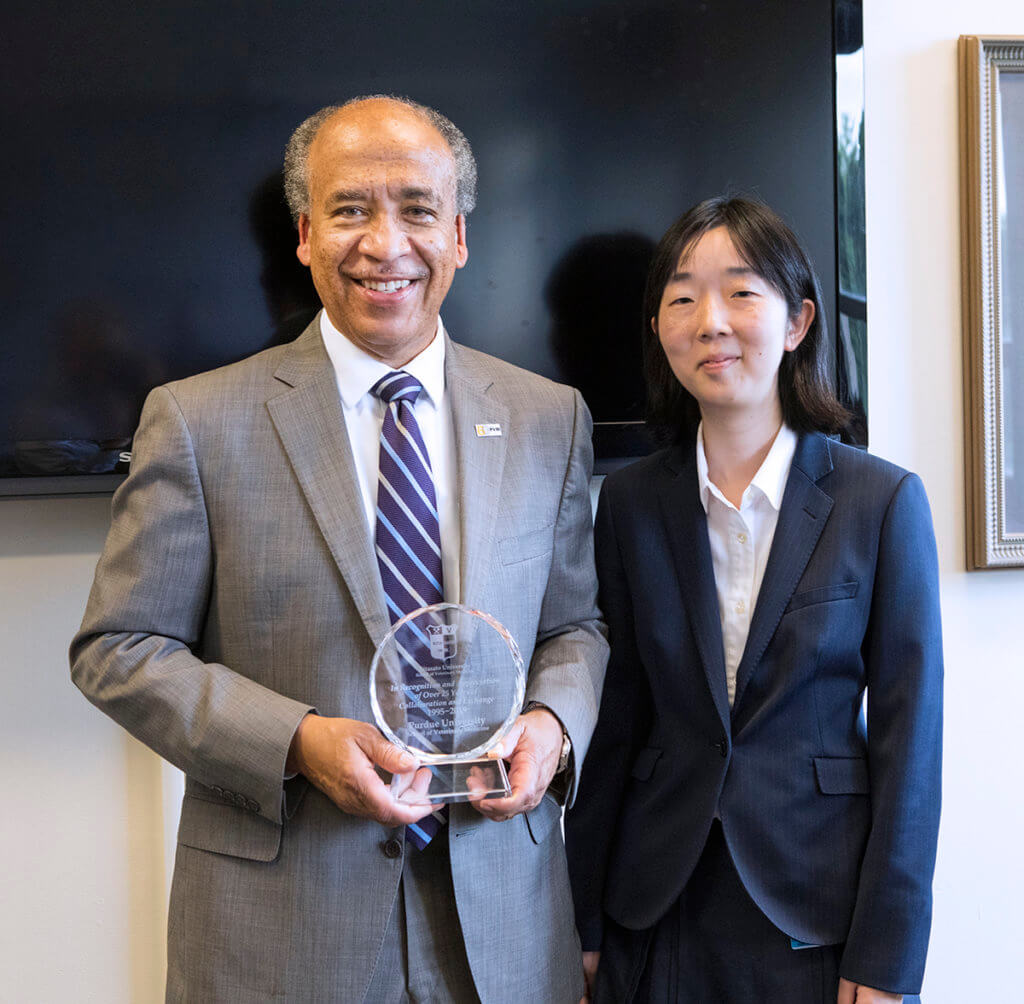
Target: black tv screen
146 237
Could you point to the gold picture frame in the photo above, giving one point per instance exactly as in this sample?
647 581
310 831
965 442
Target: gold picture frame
992 244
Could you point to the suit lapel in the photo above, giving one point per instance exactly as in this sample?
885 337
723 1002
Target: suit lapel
802 517
686 525
479 462
308 418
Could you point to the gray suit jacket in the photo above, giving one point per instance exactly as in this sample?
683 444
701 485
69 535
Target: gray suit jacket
239 589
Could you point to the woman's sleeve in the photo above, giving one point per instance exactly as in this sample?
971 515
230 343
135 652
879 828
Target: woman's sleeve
902 652
623 721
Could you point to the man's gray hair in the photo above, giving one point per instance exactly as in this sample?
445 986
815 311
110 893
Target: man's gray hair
296 154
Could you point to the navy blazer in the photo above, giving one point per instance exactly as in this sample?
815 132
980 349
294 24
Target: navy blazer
831 821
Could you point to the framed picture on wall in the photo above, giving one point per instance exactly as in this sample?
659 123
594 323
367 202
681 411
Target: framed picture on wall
992 235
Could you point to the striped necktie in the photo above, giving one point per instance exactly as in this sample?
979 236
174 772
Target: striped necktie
407 533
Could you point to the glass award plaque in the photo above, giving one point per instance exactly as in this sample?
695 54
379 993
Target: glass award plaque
446 685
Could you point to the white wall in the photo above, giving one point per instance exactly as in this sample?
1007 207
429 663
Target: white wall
84 829
82 887
915 416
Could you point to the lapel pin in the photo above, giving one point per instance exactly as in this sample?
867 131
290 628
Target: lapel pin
484 429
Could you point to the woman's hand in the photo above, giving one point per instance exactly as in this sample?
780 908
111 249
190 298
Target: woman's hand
590 960
854 993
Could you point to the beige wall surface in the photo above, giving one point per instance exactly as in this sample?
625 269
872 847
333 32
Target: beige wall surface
88 820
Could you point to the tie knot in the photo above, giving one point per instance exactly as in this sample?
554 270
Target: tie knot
397 386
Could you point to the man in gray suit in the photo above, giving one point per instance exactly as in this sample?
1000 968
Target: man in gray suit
239 600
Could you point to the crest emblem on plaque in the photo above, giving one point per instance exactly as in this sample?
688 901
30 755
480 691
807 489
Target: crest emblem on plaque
443 641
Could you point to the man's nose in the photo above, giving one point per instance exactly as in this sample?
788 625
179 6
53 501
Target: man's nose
384 238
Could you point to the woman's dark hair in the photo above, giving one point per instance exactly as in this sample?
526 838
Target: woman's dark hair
771 249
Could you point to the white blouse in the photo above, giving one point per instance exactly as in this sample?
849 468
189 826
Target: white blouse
741 540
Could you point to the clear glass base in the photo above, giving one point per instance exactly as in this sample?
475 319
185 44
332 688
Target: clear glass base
461 781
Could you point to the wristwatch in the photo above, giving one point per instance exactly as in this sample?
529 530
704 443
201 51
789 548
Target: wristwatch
563 758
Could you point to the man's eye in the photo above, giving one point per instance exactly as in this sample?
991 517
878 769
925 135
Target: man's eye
683 299
420 212
347 212
744 292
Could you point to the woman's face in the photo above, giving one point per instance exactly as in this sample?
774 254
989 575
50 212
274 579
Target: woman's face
723 330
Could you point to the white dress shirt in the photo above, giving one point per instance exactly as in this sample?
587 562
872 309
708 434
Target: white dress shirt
356 372
741 540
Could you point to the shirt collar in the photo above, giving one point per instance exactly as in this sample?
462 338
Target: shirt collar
357 371
770 479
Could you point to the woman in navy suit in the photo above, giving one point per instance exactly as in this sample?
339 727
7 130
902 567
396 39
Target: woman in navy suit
743 832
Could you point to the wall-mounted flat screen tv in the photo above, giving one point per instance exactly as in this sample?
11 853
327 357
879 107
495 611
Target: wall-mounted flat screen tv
146 236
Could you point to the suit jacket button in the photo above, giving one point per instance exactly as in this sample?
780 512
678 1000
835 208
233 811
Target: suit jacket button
392 848
239 800
723 747
252 805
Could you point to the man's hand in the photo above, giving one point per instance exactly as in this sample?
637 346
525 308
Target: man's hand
854 993
338 756
532 747
590 961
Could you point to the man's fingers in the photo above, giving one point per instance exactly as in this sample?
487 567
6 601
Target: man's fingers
523 771
385 754
500 809
505 749
421 780
411 788
375 800
339 756
532 762
400 814
526 792
510 749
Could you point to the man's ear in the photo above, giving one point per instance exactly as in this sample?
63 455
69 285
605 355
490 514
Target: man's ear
302 251
461 249
799 325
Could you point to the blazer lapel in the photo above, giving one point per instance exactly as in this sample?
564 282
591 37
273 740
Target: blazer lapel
308 418
479 462
687 530
805 508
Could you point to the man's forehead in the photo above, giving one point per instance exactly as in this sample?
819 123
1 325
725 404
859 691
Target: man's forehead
397 151
387 128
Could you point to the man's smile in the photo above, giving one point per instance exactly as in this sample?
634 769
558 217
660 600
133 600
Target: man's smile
388 286
379 292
